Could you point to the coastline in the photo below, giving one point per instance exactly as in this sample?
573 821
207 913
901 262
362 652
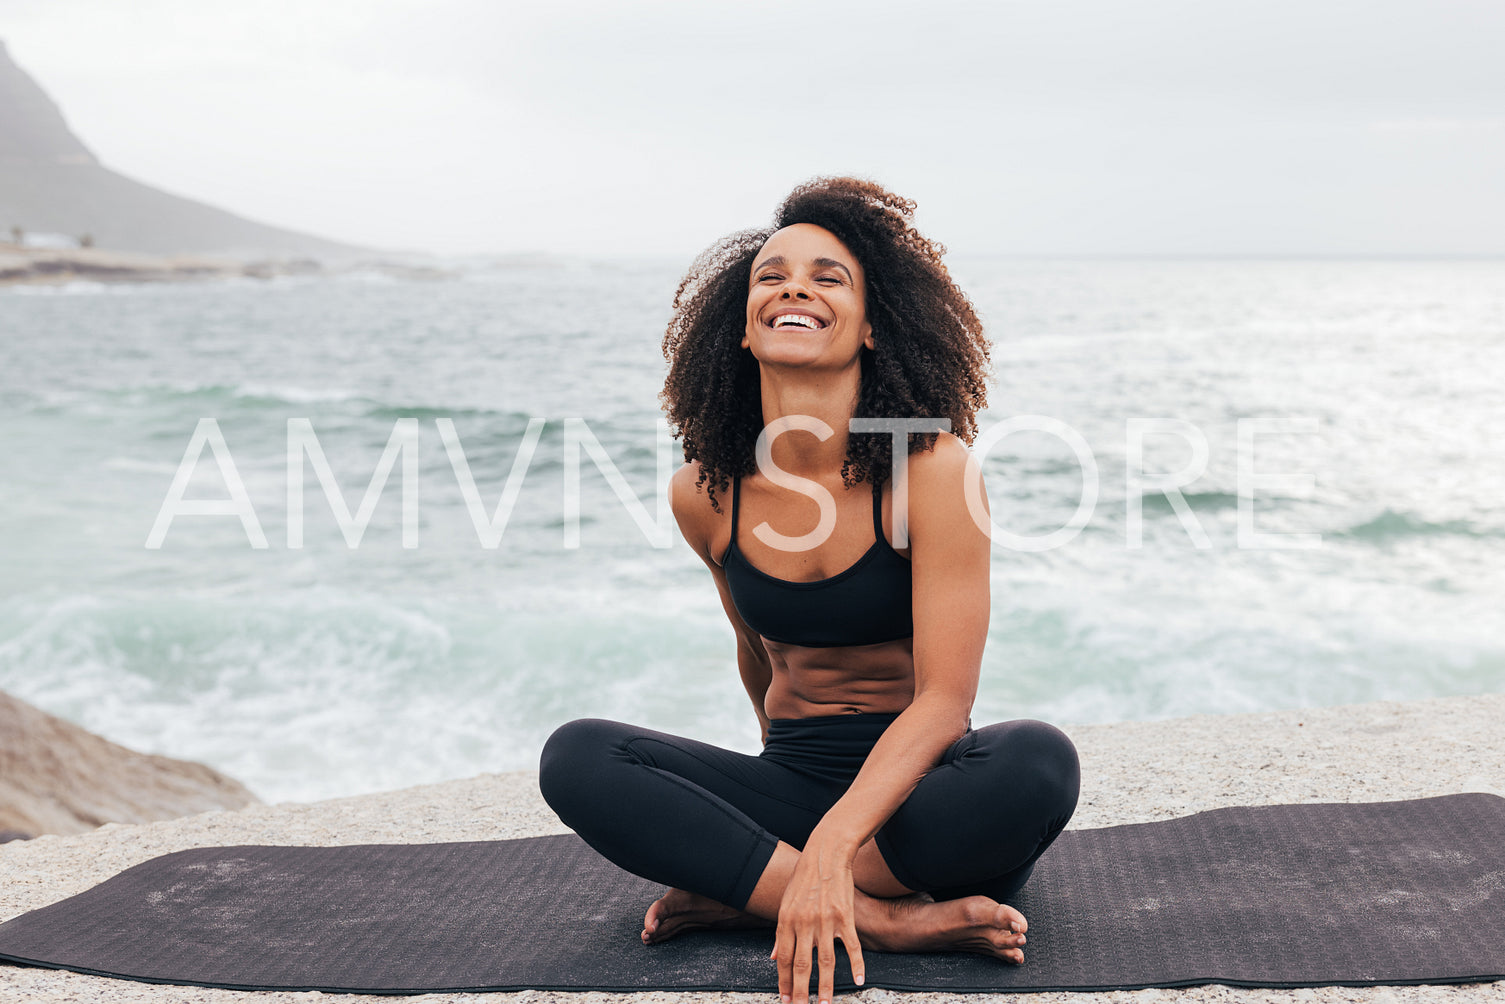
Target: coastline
45 266
21 266
1132 772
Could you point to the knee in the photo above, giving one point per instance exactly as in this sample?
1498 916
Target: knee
1055 763
1044 759
572 759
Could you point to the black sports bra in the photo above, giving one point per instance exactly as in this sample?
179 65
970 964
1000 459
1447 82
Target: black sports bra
869 602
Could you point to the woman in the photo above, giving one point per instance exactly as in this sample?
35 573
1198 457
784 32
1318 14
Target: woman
875 815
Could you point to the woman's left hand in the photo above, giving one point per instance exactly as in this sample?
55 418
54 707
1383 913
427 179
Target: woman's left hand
817 909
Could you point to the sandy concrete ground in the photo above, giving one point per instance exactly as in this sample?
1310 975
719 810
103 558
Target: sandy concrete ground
1132 772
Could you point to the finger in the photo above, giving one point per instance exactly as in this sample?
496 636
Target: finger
826 953
800 973
783 955
854 955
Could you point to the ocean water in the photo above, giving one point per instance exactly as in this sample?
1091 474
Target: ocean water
1347 414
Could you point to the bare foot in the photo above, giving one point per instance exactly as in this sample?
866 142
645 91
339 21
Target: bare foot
678 911
920 924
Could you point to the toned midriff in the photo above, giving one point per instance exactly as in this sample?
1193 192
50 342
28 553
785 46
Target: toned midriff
840 680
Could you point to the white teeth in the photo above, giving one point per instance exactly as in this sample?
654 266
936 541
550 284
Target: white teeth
801 319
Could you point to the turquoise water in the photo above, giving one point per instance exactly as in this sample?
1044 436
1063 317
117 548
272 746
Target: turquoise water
327 670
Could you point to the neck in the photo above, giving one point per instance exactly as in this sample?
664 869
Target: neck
828 396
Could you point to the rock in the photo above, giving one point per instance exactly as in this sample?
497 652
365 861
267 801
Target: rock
58 778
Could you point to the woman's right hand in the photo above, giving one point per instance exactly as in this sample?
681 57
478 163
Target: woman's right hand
816 911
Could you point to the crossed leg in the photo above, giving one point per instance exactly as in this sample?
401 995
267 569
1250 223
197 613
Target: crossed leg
723 830
889 917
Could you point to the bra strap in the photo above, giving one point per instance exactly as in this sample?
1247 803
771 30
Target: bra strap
878 516
736 497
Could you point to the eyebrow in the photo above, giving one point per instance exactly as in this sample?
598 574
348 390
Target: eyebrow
780 260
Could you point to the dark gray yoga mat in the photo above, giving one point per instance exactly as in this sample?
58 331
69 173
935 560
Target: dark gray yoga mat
1281 896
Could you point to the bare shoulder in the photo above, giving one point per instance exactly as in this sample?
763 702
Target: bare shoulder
691 505
945 484
946 467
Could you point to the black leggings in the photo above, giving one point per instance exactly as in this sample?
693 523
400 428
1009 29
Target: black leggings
704 819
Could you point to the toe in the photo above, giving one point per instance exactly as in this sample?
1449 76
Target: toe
1005 942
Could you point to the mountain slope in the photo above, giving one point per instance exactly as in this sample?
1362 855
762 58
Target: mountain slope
51 183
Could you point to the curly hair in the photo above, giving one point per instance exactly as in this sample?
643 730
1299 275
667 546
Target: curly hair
930 357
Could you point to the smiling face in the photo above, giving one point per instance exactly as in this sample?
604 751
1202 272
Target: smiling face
805 300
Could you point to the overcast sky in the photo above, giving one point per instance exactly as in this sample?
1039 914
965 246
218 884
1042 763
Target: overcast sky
1041 127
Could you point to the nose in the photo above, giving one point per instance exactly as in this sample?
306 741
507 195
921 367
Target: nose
797 292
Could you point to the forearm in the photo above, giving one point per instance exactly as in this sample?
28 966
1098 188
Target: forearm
908 750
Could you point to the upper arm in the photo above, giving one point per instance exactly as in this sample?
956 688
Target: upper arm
699 524
949 554
691 508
